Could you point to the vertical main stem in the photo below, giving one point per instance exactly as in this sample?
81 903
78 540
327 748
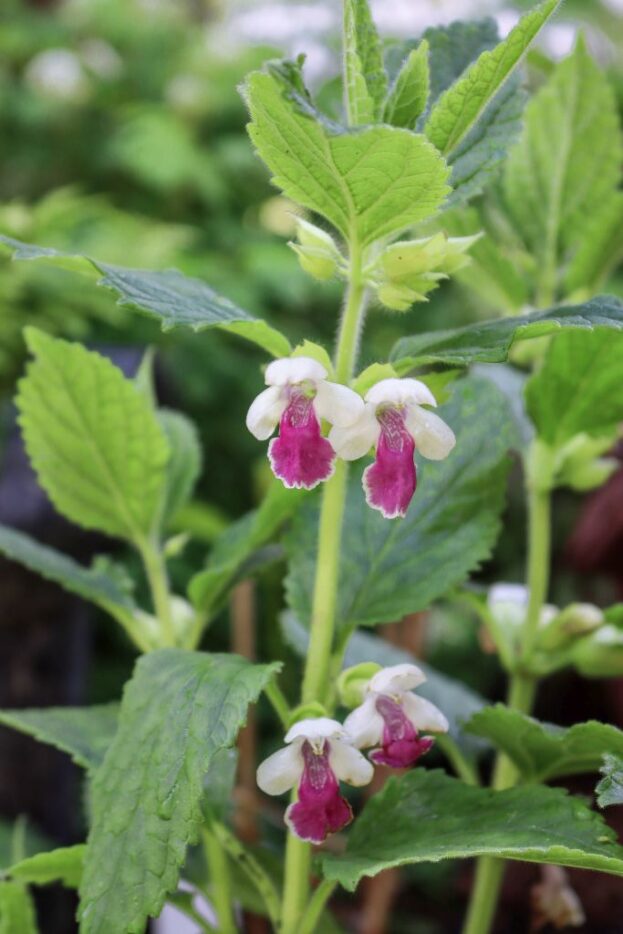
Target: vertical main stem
220 889
522 688
159 585
322 629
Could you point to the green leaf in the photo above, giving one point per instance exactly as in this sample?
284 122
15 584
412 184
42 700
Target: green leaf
365 80
553 182
600 247
390 568
234 549
17 910
176 300
491 341
454 48
369 183
62 865
184 464
542 751
408 95
92 438
83 732
610 788
178 711
458 108
92 583
426 816
578 388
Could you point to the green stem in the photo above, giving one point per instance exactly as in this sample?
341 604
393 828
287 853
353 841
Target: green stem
316 906
279 703
322 628
220 888
460 763
156 571
522 689
252 869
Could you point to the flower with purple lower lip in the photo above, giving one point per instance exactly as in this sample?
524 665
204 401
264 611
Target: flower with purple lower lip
392 718
318 756
299 395
394 421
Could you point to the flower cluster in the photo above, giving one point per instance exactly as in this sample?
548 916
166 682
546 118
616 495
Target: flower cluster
321 752
391 419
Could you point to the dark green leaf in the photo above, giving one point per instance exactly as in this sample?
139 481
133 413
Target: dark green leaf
428 816
178 711
491 341
83 732
610 788
63 865
542 751
390 568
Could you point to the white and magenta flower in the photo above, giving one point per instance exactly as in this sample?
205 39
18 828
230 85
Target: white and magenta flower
299 395
391 717
318 756
394 421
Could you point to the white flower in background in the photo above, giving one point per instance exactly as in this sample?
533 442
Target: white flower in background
299 395
392 717
58 73
508 604
394 421
102 59
318 756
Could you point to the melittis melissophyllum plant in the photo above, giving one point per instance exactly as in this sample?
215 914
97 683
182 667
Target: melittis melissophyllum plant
389 484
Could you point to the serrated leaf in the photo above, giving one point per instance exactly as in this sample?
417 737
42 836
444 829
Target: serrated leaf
179 709
542 751
554 181
184 464
408 95
389 569
365 80
610 788
458 108
171 297
454 48
62 865
92 438
491 341
578 388
83 732
17 910
426 816
236 545
369 183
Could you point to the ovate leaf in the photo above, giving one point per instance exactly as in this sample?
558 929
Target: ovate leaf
578 388
174 299
92 438
426 816
178 711
610 789
62 865
391 568
542 751
491 341
600 246
83 732
365 81
17 910
409 93
458 108
371 183
184 464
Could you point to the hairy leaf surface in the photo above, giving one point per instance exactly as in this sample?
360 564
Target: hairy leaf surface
365 79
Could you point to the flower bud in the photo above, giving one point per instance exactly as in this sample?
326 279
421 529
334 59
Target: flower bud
600 655
316 250
575 621
352 683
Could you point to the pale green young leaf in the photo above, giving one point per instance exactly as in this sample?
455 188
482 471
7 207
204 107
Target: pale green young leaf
369 184
174 299
578 388
390 568
184 464
408 94
62 865
85 733
459 107
178 711
542 751
365 80
567 163
491 341
17 910
610 787
92 438
600 247
426 816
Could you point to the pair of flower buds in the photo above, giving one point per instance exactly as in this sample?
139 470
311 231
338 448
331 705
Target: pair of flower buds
390 419
322 752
